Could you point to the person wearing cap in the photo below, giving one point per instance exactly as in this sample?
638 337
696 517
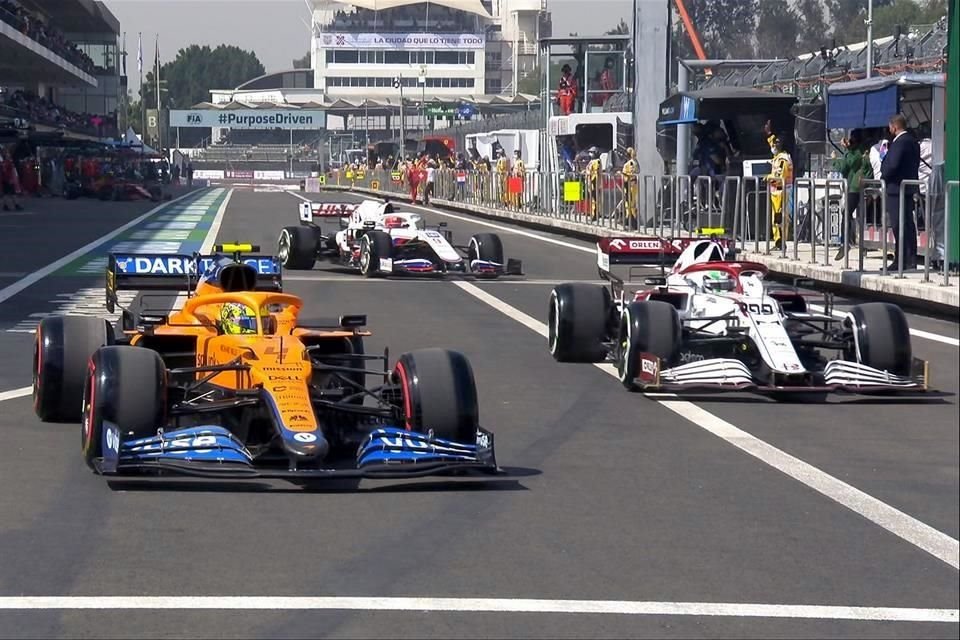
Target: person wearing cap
519 170
503 170
780 183
567 91
593 181
631 186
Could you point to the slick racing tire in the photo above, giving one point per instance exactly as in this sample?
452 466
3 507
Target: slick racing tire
374 247
578 322
297 248
881 338
126 386
62 348
438 393
650 326
486 247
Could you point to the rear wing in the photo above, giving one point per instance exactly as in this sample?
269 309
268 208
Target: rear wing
311 210
179 273
631 252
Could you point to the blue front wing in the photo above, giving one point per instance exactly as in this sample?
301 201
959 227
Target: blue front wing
213 451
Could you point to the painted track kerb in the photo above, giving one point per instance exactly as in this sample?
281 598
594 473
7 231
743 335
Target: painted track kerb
906 527
21 284
481 605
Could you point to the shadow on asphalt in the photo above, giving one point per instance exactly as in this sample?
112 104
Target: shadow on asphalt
928 398
507 482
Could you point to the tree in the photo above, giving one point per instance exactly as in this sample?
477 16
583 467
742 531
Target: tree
726 28
813 32
303 62
621 29
196 70
778 29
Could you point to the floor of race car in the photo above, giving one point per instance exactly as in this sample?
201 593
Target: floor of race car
627 514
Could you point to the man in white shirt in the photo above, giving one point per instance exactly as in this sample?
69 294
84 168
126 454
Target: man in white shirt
431 175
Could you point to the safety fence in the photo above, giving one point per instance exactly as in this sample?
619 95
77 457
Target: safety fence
750 209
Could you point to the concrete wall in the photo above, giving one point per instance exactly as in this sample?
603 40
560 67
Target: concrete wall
650 52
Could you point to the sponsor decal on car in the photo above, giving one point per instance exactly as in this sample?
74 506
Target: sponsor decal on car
179 265
690 356
305 437
649 368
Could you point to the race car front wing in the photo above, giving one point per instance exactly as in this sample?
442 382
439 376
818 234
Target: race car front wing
728 374
212 451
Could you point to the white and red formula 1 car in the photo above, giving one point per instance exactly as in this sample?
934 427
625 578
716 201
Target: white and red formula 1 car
712 323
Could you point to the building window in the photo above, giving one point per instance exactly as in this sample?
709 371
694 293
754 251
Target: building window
396 57
493 86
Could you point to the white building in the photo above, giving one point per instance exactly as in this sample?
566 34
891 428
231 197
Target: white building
441 48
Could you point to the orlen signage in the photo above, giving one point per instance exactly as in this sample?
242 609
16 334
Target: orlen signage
403 41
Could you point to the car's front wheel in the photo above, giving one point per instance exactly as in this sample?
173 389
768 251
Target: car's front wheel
125 386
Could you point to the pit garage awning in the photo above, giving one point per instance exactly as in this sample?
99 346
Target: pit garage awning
871 102
721 103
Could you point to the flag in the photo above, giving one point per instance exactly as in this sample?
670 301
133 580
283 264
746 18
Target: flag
140 52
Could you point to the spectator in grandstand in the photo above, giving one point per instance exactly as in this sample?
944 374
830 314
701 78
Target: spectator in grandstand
9 182
855 167
901 162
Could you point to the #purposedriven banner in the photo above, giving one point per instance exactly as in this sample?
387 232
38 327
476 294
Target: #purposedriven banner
403 41
249 118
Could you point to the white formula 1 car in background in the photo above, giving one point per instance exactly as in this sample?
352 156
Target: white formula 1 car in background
713 323
375 239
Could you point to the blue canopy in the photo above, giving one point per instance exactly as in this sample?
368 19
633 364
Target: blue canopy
873 101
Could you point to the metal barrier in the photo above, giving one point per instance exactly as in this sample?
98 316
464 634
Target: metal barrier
948 187
680 206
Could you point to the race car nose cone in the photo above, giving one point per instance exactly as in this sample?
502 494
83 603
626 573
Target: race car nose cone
307 444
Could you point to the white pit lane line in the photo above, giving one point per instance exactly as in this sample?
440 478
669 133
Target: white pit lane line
923 536
422 605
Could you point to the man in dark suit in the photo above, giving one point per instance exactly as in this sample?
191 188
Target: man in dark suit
901 162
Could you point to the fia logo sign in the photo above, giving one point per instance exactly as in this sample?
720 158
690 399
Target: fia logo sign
194 118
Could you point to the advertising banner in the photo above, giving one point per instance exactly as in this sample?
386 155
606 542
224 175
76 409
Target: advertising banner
404 41
242 175
268 175
208 174
250 118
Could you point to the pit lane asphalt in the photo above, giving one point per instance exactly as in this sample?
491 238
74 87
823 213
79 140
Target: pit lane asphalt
616 497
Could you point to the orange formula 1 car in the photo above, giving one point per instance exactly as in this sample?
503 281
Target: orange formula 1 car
237 384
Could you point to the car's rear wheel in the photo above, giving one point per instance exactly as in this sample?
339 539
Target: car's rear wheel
127 387
438 393
650 326
62 347
881 338
374 247
297 248
578 322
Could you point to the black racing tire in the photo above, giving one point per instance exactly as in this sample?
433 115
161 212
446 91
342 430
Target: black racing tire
297 248
649 326
374 246
881 337
578 322
126 386
485 246
62 348
438 393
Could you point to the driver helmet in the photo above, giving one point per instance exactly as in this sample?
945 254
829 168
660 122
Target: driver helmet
394 222
718 281
594 152
237 319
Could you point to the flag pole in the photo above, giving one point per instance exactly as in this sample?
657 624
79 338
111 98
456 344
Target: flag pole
159 115
143 105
